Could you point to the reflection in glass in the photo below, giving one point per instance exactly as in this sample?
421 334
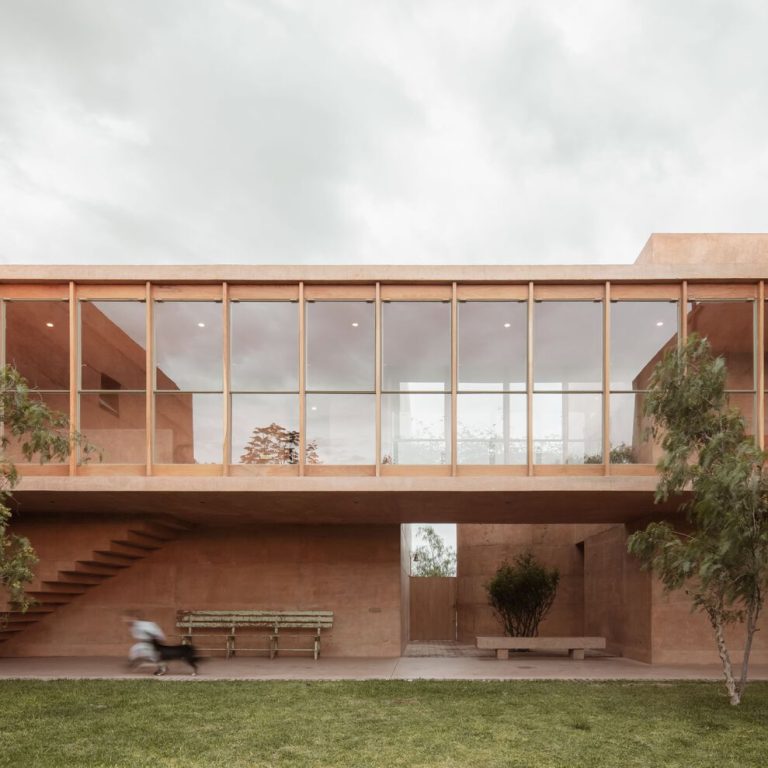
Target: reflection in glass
629 442
188 345
415 429
492 429
568 345
37 342
567 429
115 423
493 339
729 327
340 345
265 345
113 345
189 428
341 429
416 339
641 333
265 429
56 402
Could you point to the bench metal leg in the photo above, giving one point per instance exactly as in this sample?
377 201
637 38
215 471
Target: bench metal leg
502 653
577 654
273 646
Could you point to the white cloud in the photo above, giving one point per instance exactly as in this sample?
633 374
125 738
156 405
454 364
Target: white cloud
402 132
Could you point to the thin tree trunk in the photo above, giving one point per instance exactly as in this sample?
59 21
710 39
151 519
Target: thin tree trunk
730 683
752 614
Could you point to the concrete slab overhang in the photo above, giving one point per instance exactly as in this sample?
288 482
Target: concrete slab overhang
347 500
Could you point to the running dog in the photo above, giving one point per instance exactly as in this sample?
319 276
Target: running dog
165 653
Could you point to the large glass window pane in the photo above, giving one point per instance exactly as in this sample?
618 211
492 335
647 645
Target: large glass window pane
188 345
265 429
641 333
493 339
729 326
415 429
37 342
265 345
56 402
568 345
113 345
492 429
115 423
341 429
567 429
189 428
629 442
341 345
416 346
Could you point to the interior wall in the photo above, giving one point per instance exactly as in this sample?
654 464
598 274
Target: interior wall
354 571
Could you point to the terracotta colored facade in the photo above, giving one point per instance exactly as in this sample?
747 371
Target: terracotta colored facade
294 489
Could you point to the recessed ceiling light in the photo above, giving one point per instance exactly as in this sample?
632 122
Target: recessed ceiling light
201 325
507 325
660 323
50 325
313 408
354 325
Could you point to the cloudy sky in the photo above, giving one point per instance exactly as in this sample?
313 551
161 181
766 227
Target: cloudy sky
240 131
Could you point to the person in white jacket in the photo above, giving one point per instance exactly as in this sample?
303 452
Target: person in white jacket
143 651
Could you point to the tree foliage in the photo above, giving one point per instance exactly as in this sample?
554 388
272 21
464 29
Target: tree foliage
721 559
522 593
277 445
34 431
433 557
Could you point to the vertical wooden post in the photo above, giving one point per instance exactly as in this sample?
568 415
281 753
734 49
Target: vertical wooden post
302 380
74 379
683 335
529 381
607 380
150 378
377 375
760 364
454 378
226 380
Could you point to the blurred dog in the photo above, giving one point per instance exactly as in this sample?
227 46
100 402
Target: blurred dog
166 653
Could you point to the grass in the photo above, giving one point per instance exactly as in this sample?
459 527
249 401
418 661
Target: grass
379 723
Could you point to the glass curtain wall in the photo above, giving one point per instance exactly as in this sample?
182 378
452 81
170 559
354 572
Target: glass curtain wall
188 374
264 355
730 328
37 345
113 376
492 371
416 382
641 334
567 382
340 382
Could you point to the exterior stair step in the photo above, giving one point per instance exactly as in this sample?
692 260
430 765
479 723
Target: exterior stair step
99 568
81 577
156 531
140 540
174 523
127 549
120 559
66 587
51 598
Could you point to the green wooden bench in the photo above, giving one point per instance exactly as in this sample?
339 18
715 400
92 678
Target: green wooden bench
236 630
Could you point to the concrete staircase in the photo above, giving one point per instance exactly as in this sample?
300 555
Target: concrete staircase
138 539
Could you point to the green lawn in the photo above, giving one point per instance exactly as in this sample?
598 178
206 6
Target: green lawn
474 724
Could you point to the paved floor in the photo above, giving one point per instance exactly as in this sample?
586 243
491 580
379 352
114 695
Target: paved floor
519 667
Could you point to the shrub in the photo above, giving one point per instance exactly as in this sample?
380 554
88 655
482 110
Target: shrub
521 594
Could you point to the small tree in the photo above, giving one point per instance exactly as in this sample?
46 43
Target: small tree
522 594
277 445
721 560
433 557
38 432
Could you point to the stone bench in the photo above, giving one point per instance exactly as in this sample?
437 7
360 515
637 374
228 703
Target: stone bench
574 645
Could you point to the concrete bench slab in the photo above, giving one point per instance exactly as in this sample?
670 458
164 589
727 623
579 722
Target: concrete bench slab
574 645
